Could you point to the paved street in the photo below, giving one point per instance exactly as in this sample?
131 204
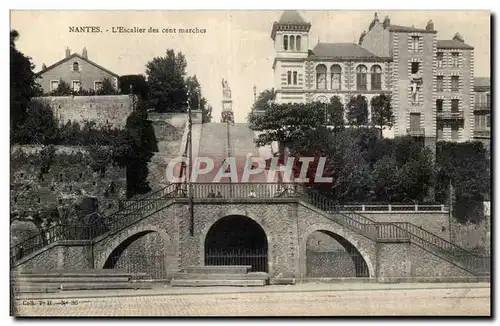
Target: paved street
437 301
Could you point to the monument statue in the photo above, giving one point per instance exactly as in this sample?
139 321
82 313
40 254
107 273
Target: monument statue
226 90
227 109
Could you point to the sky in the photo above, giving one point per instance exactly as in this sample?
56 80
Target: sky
236 46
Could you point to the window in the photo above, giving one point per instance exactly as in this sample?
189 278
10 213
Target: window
488 96
440 59
454 105
289 77
439 130
439 84
76 66
297 43
439 105
321 77
75 85
482 121
54 84
295 78
454 132
488 121
376 75
415 66
97 85
454 59
361 77
454 83
292 42
336 77
285 42
414 43
414 121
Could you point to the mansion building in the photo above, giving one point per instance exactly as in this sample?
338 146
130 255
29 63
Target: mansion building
431 81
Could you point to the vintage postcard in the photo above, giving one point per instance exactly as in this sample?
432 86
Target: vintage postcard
250 163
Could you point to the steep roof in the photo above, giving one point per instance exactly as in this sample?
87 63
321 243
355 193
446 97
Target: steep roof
341 50
291 17
483 82
406 29
453 44
76 55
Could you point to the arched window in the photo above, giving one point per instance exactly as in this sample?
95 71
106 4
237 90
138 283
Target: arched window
75 66
336 79
292 42
297 43
285 42
289 77
361 77
295 78
321 77
376 73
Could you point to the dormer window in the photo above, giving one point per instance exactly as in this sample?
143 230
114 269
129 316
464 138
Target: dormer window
76 66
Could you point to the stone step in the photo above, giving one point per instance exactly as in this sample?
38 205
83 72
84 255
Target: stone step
86 272
52 287
66 279
249 276
230 269
193 283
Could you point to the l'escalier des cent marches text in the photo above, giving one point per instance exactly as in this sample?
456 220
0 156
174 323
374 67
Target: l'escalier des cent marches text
135 30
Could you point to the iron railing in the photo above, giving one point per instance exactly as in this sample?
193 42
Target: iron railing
257 258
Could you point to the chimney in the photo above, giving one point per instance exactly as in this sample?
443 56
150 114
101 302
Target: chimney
44 66
458 37
84 53
68 52
361 38
430 25
387 22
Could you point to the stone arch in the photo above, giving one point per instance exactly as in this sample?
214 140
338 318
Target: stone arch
127 237
369 259
240 212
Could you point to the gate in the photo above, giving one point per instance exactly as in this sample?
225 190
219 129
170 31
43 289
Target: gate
257 258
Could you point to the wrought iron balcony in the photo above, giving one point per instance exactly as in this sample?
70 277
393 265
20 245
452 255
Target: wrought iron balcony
482 133
448 115
416 132
482 106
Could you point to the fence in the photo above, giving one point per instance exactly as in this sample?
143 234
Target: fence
257 258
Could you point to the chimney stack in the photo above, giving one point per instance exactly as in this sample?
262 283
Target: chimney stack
68 52
84 53
44 66
387 22
430 25
458 37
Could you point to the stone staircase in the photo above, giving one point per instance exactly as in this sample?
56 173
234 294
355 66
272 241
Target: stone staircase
52 281
194 276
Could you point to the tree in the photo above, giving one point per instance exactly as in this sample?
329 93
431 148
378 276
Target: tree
134 84
197 101
385 179
264 99
63 89
107 88
165 76
335 111
23 85
39 127
357 111
382 115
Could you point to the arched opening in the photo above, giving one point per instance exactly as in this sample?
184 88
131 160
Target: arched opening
143 252
297 43
336 77
376 74
292 42
237 240
330 255
361 82
321 77
76 66
285 42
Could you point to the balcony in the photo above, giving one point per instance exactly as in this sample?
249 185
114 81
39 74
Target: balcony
416 132
449 115
482 133
482 107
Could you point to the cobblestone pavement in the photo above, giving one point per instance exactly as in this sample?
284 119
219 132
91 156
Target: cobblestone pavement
450 302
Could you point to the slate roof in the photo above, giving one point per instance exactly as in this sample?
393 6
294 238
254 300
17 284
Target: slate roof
453 44
291 17
398 28
76 55
341 50
482 82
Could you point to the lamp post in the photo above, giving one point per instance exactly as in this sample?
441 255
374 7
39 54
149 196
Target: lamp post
254 93
190 162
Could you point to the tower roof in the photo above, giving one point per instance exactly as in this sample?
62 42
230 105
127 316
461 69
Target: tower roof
290 20
291 16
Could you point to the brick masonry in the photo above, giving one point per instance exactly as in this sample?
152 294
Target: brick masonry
288 226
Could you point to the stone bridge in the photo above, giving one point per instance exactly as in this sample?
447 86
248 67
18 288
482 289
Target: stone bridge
294 238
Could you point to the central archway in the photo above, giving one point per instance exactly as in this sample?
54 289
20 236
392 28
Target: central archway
237 240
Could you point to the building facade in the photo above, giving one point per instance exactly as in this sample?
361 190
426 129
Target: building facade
482 110
430 80
76 70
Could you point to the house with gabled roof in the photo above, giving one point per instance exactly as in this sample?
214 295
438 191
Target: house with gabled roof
78 71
